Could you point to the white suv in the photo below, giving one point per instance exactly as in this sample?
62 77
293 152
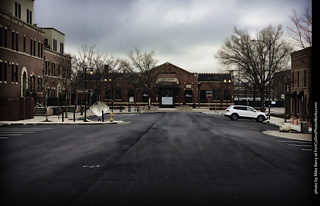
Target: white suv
239 111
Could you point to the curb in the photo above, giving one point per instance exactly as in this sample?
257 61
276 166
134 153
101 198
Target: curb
63 123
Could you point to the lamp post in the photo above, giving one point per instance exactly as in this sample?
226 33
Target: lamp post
227 82
269 48
110 80
199 94
85 91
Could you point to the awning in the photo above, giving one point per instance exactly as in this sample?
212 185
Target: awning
168 86
293 94
300 95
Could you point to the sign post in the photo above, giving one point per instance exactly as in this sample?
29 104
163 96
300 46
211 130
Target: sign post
209 95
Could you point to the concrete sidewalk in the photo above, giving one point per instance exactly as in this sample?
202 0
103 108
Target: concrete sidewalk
296 130
57 120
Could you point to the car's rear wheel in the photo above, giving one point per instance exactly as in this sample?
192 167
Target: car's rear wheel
234 117
260 118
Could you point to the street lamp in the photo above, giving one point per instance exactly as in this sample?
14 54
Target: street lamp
199 94
110 80
85 90
227 82
269 48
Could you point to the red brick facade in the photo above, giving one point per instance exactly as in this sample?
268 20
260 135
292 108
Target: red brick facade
175 87
22 67
301 83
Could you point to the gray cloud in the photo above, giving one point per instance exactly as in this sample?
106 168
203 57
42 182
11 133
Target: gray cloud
186 33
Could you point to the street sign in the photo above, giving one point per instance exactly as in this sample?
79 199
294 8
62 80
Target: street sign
87 91
208 94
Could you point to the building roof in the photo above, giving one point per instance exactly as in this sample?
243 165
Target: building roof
214 77
51 28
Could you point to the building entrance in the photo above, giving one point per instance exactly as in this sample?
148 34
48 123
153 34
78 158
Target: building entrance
167 98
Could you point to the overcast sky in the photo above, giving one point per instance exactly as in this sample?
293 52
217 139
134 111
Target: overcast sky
187 33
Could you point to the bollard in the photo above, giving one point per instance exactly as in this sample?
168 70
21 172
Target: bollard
62 116
74 115
102 117
129 108
111 116
304 129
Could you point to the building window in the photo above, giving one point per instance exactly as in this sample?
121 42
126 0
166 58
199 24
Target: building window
107 94
32 83
188 96
46 42
16 73
12 39
298 79
203 98
34 48
226 95
61 48
53 69
54 45
5 72
29 16
17 11
216 95
1 71
1 31
5 37
31 46
292 79
17 40
41 85
46 68
305 78
12 72
24 43
39 49
118 94
145 97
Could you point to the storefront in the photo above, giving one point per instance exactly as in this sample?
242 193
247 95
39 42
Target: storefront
177 87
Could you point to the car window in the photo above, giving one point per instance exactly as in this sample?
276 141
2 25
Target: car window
251 109
241 108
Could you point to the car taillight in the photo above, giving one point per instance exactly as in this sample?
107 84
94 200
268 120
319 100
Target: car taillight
227 110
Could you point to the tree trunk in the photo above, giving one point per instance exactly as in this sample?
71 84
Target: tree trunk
149 102
262 99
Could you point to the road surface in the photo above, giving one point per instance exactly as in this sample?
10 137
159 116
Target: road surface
174 158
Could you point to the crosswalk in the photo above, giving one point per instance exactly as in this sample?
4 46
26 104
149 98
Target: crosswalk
8 132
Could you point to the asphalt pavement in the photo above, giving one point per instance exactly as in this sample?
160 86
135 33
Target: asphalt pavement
169 158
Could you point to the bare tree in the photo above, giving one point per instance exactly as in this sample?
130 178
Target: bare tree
301 33
98 66
257 60
141 66
64 76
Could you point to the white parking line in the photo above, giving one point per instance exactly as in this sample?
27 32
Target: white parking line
20 132
12 132
300 145
296 141
8 135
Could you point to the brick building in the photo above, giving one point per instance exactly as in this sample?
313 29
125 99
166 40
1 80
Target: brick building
174 87
22 60
301 69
